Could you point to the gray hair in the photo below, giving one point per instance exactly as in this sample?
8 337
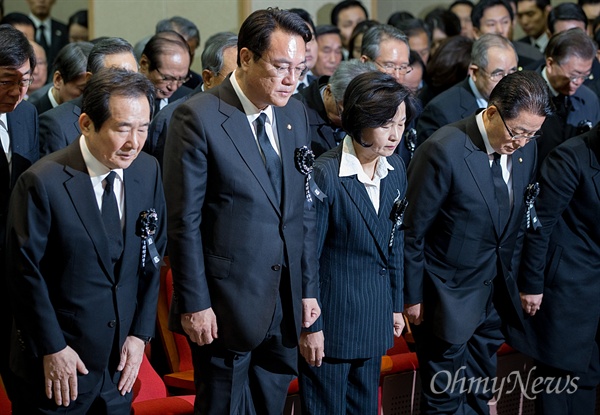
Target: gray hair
375 35
479 51
181 25
346 72
212 55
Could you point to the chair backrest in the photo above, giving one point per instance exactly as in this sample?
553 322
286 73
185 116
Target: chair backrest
5 405
176 347
148 384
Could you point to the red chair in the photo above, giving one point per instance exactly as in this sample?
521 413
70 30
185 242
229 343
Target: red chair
5 405
399 382
150 395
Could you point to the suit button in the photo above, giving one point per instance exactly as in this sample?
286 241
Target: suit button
276 267
383 272
112 324
487 282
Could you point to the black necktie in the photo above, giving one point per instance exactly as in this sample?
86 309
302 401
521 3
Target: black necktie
563 106
272 160
42 37
501 191
4 169
110 217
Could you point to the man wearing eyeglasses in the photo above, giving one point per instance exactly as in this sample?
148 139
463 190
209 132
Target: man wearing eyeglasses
19 135
569 58
241 233
466 193
166 63
492 58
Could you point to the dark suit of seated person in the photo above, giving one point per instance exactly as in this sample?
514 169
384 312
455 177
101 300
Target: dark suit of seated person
68 77
219 59
492 58
323 100
60 126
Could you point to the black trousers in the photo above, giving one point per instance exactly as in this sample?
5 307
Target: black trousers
453 376
245 383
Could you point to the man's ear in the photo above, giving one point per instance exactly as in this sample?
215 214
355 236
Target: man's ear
86 124
57 80
245 57
207 78
144 65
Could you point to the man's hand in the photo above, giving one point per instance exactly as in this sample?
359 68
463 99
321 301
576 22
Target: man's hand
531 302
312 347
310 311
398 324
60 372
414 313
201 326
132 354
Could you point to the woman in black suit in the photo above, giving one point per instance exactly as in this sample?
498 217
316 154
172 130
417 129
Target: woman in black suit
360 251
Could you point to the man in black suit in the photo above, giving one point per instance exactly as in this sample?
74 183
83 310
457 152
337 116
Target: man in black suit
324 101
19 134
59 126
466 193
533 18
219 59
51 34
569 58
492 58
86 229
559 277
166 63
241 233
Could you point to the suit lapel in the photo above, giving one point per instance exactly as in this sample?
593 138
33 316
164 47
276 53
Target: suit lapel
519 182
134 188
79 189
237 128
479 165
594 144
286 135
358 194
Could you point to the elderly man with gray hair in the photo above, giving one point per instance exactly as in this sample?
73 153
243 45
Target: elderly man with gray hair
387 47
323 100
492 58
218 61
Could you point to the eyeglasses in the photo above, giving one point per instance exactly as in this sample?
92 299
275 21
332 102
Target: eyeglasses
168 79
514 136
496 76
574 78
22 83
389 68
283 70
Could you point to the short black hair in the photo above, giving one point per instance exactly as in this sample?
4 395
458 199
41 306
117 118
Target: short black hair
461 2
483 5
345 4
17 18
186 28
572 42
305 16
371 101
397 17
71 60
15 49
566 11
104 47
80 17
540 4
326 29
519 92
413 27
110 82
255 32
444 20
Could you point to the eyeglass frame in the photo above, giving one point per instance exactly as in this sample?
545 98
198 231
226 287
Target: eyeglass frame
494 74
282 72
573 78
168 79
516 137
22 83
404 69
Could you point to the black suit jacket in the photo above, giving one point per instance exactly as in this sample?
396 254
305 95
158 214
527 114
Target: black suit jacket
59 126
321 130
64 288
360 276
454 247
59 38
561 260
40 99
452 105
229 239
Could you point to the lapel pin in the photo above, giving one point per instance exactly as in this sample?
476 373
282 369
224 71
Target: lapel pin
289 126
520 160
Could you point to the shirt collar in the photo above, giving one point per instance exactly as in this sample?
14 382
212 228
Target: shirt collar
350 165
545 76
486 141
96 169
252 111
51 98
481 101
37 22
